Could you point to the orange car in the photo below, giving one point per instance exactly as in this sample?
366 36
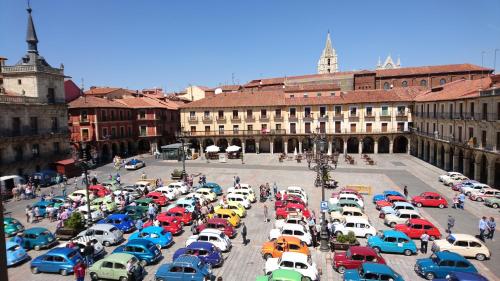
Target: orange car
274 249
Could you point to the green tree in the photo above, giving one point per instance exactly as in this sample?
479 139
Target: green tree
75 221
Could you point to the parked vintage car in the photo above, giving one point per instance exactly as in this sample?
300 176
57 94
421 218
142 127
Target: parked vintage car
208 193
131 190
169 192
170 224
214 187
12 226
250 195
80 244
239 198
114 267
67 233
482 194
346 190
106 234
143 203
463 244
220 224
182 214
288 198
146 251
81 194
454 180
197 197
144 185
290 229
414 228
134 212
276 248
448 175
282 213
57 260
158 197
242 186
389 201
99 190
298 191
155 234
206 251
354 257
59 201
385 194
233 206
214 236
341 214
493 202
112 185
343 203
391 241
440 264
458 186
228 215
462 276
347 196
42 207
282 275
429 199
396 206
295 261
181 186
187 204
15 253
360 226
95 213
111 205
372 271
294 218
121 221
468 189
185 267
401 216
37 238
134 164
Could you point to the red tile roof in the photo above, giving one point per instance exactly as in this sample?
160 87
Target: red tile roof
147 102
421 70
311 87
105 90
460 89
94 102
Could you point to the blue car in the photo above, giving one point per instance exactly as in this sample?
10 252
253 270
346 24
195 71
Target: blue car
36 238
188 204
15 253
441 264
392 241
45 178
372 271
42 207
144 250
462 276
122 221
206 251
185 267
155 234
58 260
385 194
216 188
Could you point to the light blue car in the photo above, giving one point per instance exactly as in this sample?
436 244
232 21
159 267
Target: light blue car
372 271
385 194
155 234
188 204
392 241
387 210
15 253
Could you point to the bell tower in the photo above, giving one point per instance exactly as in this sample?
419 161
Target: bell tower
328 61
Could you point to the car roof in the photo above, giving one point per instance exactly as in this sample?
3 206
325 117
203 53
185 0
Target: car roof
118 257
407 211
201 245
189 259
402 203
294 256
9 244
356 219
450 256
352 209
117 216
60 251
143 242
144 200
42 203
211 230
152 228
204 189
468 276
376 267
293 226
461 236
363 250
395 233
217 220
176 209
489 189
155 193
104 226
35 230
430 193
185 200
286 274
290 239
421 221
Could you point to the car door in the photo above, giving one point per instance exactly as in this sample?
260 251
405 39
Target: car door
350 226
390 244
355 261
106 270
301 268
416 230
189 273
446 266
47 263
461 247
462 266
216 241
474 248
176 273
286 265
403 244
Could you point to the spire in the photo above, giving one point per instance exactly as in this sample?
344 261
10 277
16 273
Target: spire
379 64
31 38
398 63
328 45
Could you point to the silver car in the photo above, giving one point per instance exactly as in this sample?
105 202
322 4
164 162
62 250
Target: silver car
106 234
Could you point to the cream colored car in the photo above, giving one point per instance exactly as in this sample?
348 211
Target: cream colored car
208 193
340 215
463 244
247 192
401 216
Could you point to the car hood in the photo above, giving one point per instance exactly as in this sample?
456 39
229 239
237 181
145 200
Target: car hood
268 246
351 275
425 263
373 240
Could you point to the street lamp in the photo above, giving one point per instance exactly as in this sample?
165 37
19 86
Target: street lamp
180 136
84 164
320 158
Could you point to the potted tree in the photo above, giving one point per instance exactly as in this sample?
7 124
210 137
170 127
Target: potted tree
176 174
343 242
72 226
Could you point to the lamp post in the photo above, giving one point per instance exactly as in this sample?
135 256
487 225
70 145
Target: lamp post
180 136
83 163
322 168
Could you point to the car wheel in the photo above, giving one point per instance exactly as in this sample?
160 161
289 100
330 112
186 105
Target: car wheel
479 199
269 273
35 270
419 205
376 249
267 256
429 276
480 257
368 235
106 243
495 206
407 252
123 278
392 224
306 278
143 263
341 269
441 206
64 272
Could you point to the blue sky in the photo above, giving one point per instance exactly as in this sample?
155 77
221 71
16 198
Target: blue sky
171 44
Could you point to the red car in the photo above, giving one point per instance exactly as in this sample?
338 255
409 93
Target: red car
389 201
288 198
414 228
158 198
170 224
282 213
347 191
185 217
355 257
99 190
429 199
220 224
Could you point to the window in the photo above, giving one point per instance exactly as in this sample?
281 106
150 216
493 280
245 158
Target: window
85 134
462 244
471 132
207 128
236 128
221 129
353 127
35 150
263 127
306 95
368 127
485 112
307 112
293 128
292 96
34 125
423 83
113 132
263 113
384 127
122 131
404 84
459 134
385 110
442 81
369 111
462 264
322 127
278 126
250 127
220 114
104 132
353 111
337 126
206 113
318 94
143 131
322 111
307 127
54 124
56 147
192 114
293 112
401 110
249 113
83 116
51 95
129 131
235 113
483 138
387 86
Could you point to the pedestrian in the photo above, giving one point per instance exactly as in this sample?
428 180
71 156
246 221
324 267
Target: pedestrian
244 233
139 224
424 241
275 189
19 239
143 175
455 202
151 212
79 270
492 225
88 252
451 223
405 191
27 212
265 213
483 225
64 190
461 200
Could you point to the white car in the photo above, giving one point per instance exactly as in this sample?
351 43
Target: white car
143 185
482 194
401 216
200 197
95 213
134 164
247 192
292 229
170 193
448 175
354 197
299 262
475 187
242 199
214 236
80 195
360 226
81 242
454 180
462 244
342 213
291 218
242 186
208 193
297 190
300 195
181 186
107 234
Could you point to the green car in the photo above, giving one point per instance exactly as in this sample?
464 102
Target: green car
12 226
114 267
143 203
135 212
343 203
110 204
282 275
493 202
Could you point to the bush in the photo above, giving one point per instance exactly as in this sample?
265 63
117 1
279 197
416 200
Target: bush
75 221
351 238
341 238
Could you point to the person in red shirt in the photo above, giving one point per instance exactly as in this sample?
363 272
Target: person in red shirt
79 270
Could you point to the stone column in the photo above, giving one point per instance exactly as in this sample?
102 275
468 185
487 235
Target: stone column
257 146
314 148
438 159
285 143
300 146
477 170
271 148
408 148
491 172
360 147
330 145
345 146
243 146
431 153
456 165
420 149
466 167
447 160
391 143
375 147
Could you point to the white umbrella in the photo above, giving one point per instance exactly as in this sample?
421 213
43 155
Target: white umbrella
233 148
212 148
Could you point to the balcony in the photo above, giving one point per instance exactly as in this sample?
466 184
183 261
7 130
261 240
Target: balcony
369 115
444 115
207 119
234 133
323 118
385 115
308 117
192 119
28 132
293 118
84 121
353 116
249 118
401 114
338 116
264 118
278 118
221 119
235 118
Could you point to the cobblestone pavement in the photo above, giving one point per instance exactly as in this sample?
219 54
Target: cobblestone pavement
245 262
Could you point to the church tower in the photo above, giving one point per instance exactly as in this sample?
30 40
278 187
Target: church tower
388 63
328 61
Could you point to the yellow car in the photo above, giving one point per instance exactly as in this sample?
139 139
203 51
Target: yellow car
208 193
235 206
229 215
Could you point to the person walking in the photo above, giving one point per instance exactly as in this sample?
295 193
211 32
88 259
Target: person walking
483 225
451 223
79 270
244 234
265 213
139 224
405 191
27 212
492 225
151 212
275 189
461 200
88 252
424 241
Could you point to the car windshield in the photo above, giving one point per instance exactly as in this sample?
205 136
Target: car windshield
451 239
45 233
14 248
113 229
71 255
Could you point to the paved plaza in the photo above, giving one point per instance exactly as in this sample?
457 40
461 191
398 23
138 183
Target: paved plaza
245 262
